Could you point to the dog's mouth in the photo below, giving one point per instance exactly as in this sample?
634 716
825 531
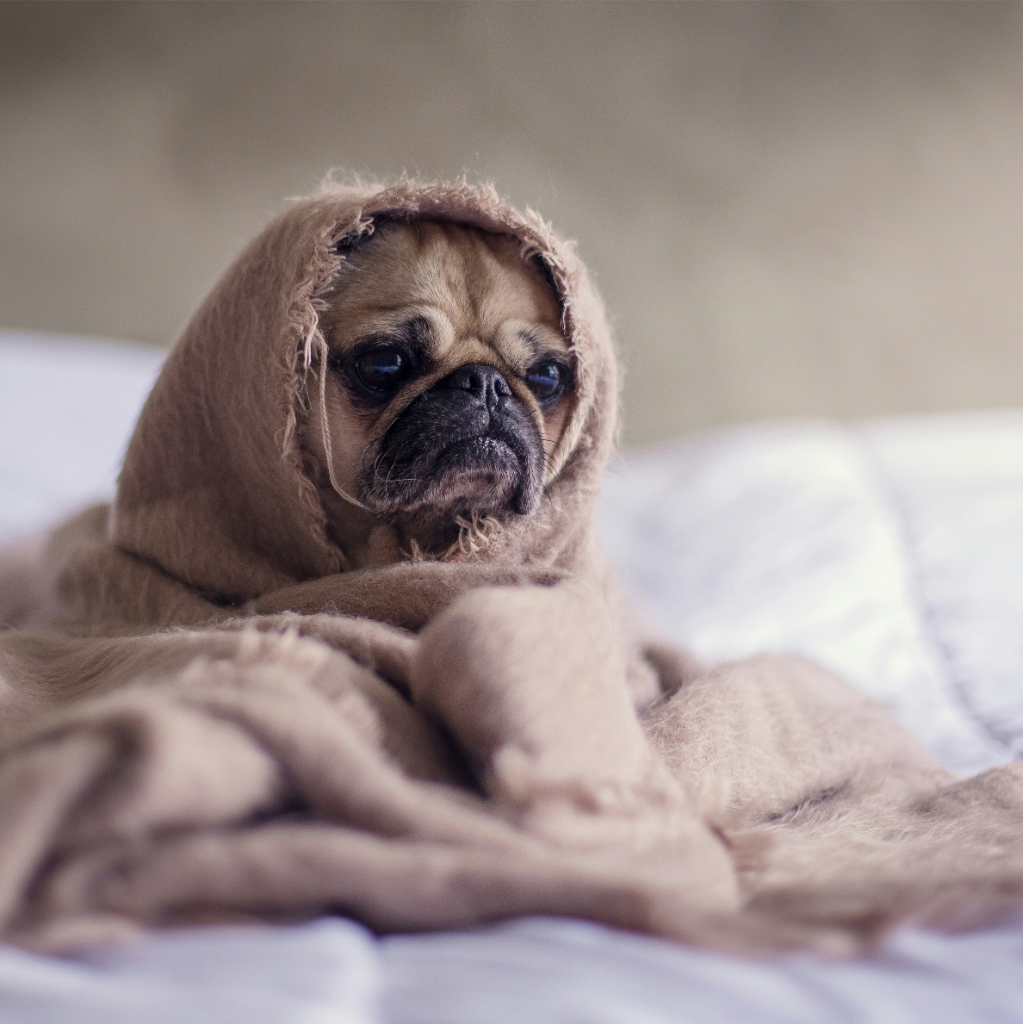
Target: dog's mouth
488 471
476 453
481 473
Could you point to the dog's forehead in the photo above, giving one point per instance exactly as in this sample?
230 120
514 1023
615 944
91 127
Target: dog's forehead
475 281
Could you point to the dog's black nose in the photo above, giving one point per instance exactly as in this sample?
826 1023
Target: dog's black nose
481 381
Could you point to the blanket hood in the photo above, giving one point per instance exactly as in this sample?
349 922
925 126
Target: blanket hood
214 489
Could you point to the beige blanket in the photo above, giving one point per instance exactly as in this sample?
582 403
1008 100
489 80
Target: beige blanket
204 717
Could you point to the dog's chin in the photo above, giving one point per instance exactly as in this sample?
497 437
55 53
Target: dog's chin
482 474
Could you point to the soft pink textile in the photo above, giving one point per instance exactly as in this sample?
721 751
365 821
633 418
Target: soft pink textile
203 717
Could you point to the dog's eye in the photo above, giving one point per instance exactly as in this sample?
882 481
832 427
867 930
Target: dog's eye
547 379
382 369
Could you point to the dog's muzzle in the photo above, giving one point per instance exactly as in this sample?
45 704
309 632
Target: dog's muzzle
468 444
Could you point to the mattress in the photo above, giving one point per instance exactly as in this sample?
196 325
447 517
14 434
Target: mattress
890 550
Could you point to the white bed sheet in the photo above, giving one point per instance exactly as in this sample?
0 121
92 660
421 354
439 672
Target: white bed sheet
892 551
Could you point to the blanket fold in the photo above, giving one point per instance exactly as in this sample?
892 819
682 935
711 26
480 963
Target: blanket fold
206 716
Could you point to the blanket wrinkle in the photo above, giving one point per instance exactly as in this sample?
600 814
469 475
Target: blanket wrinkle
206 716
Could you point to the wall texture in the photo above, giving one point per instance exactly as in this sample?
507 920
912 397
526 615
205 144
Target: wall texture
792 208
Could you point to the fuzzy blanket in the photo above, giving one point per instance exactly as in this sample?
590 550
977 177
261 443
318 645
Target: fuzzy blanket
204 716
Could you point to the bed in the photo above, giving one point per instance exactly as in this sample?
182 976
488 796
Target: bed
890 550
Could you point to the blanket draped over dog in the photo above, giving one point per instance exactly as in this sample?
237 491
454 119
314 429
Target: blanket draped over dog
205 716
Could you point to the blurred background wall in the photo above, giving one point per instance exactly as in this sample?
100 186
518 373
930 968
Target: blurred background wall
792 209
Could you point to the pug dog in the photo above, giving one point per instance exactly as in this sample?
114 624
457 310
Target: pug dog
445 392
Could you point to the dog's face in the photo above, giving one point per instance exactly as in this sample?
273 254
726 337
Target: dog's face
448 387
